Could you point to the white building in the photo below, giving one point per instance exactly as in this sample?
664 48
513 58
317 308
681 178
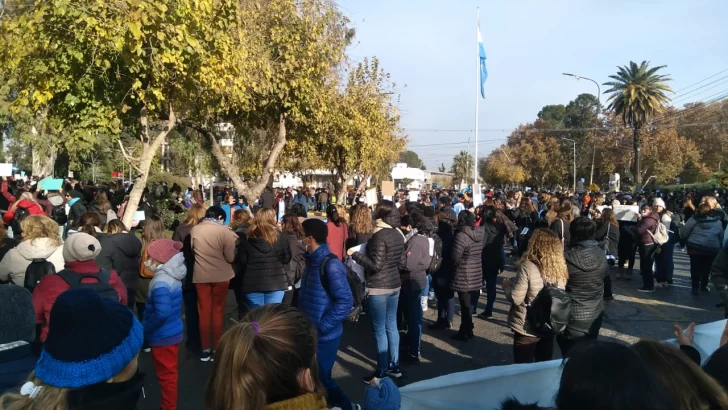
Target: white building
420 178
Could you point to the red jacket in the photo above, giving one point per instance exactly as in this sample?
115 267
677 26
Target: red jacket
31 206
337 238
51 286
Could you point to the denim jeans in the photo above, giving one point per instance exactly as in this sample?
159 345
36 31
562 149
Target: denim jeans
410 299
259 299
426 289
383 309
326 356
664 263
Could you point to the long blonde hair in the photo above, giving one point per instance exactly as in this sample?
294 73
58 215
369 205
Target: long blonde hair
259 360
546 251
552 209
361 219
689 386
40 226
264 226
194 215
48 398
25 196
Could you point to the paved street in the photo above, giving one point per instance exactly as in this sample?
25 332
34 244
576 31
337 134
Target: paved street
632 316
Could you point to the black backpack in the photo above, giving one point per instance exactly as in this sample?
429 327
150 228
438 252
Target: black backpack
58 214
101 286
355 284
20 214
37 269
550 311
437 257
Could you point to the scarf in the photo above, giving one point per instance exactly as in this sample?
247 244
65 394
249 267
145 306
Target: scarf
217 221
308 401
380 224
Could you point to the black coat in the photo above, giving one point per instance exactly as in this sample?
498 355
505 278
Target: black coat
447 235
604 228
357 238
74 213
561 228
294 268
108 396
587 267
261 266
267 199
492 257
466 255
383 252
121 252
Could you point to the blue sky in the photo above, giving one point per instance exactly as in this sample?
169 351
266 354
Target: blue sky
429 48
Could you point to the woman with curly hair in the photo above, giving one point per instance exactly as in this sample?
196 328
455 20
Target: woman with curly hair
542 263
361 227
41 240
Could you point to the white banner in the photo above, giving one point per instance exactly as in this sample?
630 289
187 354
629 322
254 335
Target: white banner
529 383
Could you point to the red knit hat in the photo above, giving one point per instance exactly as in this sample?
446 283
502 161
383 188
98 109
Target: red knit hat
162 250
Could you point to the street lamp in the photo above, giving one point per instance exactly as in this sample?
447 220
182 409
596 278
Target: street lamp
573 142
596 125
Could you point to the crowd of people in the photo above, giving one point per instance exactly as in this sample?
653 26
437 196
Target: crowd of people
84 295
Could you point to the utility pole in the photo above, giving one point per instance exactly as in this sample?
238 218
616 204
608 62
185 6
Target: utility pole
573 142
596 124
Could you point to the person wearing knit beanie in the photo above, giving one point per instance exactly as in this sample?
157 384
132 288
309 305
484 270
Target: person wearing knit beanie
80 247
89 360
163 329
17 332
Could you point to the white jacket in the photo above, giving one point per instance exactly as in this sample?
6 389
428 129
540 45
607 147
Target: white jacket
16 261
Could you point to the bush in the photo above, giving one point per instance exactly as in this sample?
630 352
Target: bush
170 179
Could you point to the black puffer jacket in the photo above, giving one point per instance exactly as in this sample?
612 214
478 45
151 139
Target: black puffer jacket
121 252
294 268
494 239
383 253
587 267
261 266
466 255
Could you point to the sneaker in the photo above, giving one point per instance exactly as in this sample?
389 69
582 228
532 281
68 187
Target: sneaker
355 406
409 359
460 336
486 315
423 302
608 298
394 372
646 290
206 356
147 350
440 324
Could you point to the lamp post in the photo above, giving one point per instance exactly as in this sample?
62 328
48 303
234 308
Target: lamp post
573 142
596 124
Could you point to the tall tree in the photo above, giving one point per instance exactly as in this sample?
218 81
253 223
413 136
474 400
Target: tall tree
411 159
462 168
638 95
553 115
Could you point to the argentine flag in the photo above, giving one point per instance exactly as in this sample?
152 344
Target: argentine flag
483 70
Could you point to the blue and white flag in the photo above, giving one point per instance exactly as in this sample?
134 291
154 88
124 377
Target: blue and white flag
483 70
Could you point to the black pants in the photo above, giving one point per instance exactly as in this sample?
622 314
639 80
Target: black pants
572 337
466 310
192 319
700 269
445 302
608 284
527 349
130 295
626 254
647 258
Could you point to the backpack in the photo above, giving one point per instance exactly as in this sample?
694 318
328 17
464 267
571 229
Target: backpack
58 214
661 236
550 312
20 214
355 284
437 254
101 287
38 268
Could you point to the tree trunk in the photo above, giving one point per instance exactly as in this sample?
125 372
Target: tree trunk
231 170
637 171
43 156
145 163
341 191
363 183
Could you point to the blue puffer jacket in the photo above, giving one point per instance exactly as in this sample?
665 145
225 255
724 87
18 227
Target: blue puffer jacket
163 312
327 311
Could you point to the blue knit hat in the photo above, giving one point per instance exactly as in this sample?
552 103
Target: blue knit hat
384 397
90 340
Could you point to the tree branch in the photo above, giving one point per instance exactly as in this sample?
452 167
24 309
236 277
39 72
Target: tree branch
129 158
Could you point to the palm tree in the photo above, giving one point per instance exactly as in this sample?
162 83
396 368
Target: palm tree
462 168
638 94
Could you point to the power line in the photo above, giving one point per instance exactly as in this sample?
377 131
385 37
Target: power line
705 79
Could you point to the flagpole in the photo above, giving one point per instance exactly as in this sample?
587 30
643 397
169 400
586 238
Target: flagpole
477 99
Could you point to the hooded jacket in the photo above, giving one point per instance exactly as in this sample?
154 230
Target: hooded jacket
121 252
327 310
645 226
466 254
163 312
16 261
587 268
526 285
703 234
262 266
383 253
32 207
416 260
